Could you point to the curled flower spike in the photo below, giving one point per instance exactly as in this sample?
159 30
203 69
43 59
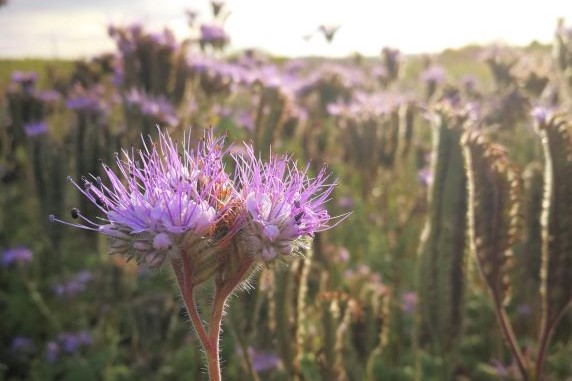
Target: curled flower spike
158 197
284 207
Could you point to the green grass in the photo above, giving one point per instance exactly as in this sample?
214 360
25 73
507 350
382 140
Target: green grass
45 68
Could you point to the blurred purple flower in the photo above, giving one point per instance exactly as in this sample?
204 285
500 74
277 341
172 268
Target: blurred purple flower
118 74
433 74
165 39
36 129
22 345
524 310
263 361
343 255
213 35
71 342
469 83
346 202
391 53
27 79
87 100
222 111
161 109
245 120
542 114
158 108
52 351
425 176
500 369
73 286
68 343
49 96
16 255
408 302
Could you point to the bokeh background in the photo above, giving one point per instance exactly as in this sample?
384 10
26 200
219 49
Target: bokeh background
382 93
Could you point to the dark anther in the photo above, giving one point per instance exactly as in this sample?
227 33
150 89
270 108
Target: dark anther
74 213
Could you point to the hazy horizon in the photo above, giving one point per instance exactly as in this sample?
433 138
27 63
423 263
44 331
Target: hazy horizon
73 29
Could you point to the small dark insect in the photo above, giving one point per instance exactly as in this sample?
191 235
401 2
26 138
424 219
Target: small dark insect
298 217
74 213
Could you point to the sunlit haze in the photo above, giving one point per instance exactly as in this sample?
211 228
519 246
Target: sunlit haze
71 28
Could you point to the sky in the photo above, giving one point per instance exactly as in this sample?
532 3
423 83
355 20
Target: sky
78 28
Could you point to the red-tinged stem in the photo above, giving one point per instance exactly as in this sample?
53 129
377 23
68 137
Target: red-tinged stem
223 289
506 328
545 338
184 283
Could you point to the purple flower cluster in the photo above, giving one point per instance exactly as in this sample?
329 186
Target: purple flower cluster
26 79
89 101
22 345
213 35
433 74
366 106
158 108
16 255
282 205
130 38
36 129
73 286
161 199
67 343
263 361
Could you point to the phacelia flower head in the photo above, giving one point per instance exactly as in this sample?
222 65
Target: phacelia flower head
284 207
160 197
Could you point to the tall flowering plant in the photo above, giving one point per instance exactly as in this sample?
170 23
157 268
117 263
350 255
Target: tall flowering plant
172 205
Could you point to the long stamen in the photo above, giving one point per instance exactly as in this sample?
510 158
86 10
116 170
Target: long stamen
53 218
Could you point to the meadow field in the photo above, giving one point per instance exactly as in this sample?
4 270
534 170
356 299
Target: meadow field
443 252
